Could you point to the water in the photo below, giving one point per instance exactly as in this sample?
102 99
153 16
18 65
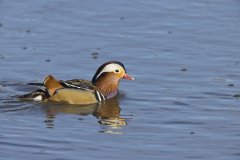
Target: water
184 56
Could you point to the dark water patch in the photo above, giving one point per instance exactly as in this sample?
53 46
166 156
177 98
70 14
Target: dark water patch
237 154
122 18
95 55
180 103
217 94
196 97
231 85
24 48
16 144
184 123
144 100
236 95
183 69
52 141
195 157
237 63
48 60
28 31
220 109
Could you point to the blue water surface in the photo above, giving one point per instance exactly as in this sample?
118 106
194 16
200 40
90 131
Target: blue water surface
183 54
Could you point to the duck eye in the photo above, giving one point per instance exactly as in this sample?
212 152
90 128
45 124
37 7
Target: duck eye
116 70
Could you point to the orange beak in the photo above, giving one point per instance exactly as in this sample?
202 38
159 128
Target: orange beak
126 76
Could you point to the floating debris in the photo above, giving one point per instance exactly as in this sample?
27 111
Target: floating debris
169 32
1 24
230 85
24 47
191 132
28 30
184 69
48 60
95 55
122 18
236 95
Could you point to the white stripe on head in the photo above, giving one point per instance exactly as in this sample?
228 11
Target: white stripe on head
110 68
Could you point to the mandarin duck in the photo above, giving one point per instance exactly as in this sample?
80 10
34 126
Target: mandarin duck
104 85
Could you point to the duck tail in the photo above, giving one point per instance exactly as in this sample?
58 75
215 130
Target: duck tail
35 84
37 95
51 84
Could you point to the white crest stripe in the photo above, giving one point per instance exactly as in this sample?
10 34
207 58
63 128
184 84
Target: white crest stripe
109 68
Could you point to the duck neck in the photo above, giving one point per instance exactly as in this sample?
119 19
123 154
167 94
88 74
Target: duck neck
107 85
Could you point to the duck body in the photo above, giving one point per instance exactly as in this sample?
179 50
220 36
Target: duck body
104 85
75 96
73 91
76 91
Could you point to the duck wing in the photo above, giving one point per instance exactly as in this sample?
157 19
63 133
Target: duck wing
74 83
78 84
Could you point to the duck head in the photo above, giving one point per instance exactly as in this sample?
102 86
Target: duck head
107 78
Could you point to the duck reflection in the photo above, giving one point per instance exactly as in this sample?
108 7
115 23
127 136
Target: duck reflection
107 113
